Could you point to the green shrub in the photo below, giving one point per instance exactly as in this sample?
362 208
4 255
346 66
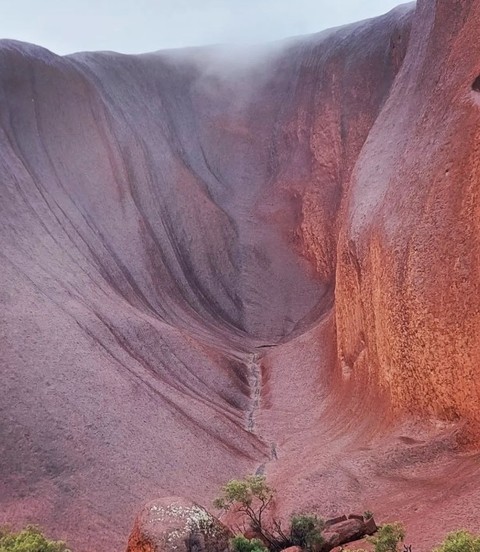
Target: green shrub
460 541
241 544
367 514
253 497
306 531
28 540
388 537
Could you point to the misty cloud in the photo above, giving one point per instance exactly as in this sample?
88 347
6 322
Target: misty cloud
128 26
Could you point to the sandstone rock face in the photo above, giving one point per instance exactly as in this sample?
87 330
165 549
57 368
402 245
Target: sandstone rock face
177 525
407 277
213 265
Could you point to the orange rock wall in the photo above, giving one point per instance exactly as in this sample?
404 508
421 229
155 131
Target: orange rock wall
407 284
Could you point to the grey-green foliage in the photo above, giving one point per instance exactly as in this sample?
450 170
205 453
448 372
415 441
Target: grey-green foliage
29 539
251 496
388 537
306 531
460 541
241 544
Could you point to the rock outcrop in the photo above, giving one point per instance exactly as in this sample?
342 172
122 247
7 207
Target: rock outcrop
214 265
342 532
177 525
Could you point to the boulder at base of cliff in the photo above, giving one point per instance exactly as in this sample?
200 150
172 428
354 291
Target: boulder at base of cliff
177 525
343 532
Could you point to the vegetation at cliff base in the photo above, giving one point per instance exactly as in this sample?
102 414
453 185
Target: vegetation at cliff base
250 496
460 541
242 544
253 497
388 537
306 531
29 539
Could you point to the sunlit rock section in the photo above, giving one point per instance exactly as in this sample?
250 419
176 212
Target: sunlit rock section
407 298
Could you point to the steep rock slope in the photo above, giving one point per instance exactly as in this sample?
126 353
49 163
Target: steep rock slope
173 228
407 279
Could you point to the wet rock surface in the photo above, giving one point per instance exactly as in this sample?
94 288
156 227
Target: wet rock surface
212 266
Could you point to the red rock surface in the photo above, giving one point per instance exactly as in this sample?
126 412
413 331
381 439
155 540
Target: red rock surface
408 250
214 264
343 532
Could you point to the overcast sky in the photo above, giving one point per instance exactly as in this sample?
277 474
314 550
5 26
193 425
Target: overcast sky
133 26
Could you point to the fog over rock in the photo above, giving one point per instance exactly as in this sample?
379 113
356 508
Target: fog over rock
264 260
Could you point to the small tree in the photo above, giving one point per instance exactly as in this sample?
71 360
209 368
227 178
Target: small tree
306 531
388 537
30 539
460 541
252 497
